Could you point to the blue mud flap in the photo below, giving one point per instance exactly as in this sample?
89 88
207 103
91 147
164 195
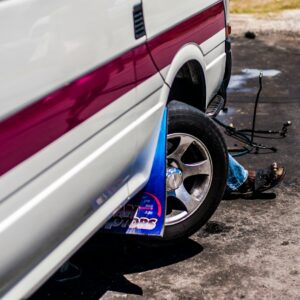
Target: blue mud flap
145 213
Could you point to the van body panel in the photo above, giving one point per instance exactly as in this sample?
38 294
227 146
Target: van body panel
81 106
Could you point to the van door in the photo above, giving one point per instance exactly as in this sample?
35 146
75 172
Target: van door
66 137
64 66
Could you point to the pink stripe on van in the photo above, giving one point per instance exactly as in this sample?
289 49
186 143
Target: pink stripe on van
33 128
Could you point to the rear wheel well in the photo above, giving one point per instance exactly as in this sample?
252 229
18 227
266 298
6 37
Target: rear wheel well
189 85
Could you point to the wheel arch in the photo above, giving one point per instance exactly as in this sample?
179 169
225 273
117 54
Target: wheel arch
185 78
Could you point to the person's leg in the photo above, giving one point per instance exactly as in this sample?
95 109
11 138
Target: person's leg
237 174
249 182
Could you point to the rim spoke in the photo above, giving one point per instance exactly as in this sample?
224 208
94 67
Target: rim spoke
200 168
189 199
186 199
185 142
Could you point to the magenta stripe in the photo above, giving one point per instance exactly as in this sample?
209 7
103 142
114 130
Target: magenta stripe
41 123
197 29
33 128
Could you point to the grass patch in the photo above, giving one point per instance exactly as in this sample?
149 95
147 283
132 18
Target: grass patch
262 6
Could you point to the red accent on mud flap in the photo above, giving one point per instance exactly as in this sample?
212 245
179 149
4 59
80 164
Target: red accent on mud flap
33 128
159 208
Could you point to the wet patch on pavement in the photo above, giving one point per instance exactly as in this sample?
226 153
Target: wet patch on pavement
238 82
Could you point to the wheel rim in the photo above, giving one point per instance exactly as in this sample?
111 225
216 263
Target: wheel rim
189 176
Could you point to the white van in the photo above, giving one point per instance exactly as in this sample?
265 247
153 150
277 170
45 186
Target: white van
83 87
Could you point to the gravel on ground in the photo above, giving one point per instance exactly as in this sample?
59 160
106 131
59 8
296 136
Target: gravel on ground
286 23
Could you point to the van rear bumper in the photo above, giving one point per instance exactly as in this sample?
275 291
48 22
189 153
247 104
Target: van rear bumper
227 74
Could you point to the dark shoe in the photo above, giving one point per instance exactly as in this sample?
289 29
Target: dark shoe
262 180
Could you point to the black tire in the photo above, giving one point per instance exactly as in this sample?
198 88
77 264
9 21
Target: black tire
185 119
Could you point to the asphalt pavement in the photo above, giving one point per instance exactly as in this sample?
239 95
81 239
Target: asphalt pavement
250 247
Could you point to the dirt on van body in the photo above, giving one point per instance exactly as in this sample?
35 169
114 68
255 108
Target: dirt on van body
250 249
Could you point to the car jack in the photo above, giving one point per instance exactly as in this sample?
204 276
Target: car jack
247 136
